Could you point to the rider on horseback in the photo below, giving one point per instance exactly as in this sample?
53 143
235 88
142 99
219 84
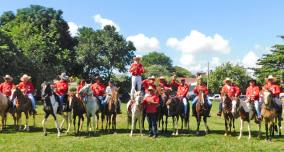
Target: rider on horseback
252 94
98 89
28 89
136 70
182 90
6 88
200 87
230 90
108 93
164 85
61 89
275 90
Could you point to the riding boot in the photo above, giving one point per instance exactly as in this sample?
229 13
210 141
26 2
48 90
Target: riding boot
220 110
60 108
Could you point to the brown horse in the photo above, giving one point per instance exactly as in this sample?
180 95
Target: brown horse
3 109
78 110
23 105
228 115
269 114
201 110
111 110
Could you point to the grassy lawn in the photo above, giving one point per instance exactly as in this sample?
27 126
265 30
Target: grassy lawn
215 141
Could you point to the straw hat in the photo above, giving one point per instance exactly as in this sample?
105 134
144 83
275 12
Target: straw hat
162 78
25 77
152 78
270 77
63 76
227 80
137 58
8 77
150 88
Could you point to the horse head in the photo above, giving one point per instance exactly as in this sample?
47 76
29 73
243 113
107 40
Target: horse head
138 97
227 103
16 92
86 90
46 89
235 105
267 97
201 97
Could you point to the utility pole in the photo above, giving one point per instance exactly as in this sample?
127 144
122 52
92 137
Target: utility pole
208 71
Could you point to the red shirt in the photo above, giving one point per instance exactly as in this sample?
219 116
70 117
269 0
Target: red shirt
182 89
165 86
238 90
252 92
6 88
80 86
136 69
26 87
229 90
200 88
98 89
61 87
151 108
274 88
146 84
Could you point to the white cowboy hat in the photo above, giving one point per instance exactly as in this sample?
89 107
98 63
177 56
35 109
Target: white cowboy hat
63 76
270 77
150 88
137 57
227 79
162 78
25 77
152 78
8 77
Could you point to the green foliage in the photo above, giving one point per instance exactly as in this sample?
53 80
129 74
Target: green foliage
156 58
122 81
6 17
182 72
103 51
271 63
235 72
157 71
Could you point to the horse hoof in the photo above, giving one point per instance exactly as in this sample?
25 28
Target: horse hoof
225 134
173 134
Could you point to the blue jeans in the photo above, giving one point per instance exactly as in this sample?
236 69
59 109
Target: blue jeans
152 121
257 108
101 100
61 99
185 105
208 101
31 97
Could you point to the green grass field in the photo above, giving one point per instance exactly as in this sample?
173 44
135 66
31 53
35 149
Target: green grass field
34 140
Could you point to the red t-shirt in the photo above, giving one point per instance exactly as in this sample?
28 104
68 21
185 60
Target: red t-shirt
229 90
200 88
61 87
26 87
274 88
150 107
98 89
146 84
252 92
182 90
136 69
6 88
165 86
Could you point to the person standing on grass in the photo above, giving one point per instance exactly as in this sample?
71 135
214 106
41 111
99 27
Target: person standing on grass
151 103
136 71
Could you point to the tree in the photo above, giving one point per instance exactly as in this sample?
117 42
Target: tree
156 58
271 63
157 71
182 72
6 17
235 72
41 35
103 51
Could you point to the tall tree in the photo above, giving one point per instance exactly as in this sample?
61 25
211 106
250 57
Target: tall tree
271 63
182 72
157 58
42 35
235 72
103 51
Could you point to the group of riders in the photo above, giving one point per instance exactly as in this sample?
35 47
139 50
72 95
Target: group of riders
152 92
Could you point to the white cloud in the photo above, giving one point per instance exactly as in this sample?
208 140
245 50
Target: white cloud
187 59
104 21
250 59
73 28
197 42
144 43
216 61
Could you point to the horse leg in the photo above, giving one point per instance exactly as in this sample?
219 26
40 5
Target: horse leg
69 122
19 121
241 129
88 122
230 125
94 122
249 130
266 130
234 125
27 121
79 123
43 123
177 126
56 124
141 123
166 124
173 117
279 125
226 126
74 123
132 123
198 123
271 130
62 123
259 129
205 124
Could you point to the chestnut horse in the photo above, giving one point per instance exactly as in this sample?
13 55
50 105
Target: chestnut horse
111 110
3 109
78 110
269 114
228 115
201 110
23 105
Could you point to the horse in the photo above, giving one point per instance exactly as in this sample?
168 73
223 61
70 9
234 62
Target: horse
111 110
176 109
4 105
247 113
23 105
50 106
201 110
135 112
269 114
92 106
78 110
228 115
163 111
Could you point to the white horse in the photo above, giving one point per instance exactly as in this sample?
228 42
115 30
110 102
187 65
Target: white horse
136 112
3 109
92 106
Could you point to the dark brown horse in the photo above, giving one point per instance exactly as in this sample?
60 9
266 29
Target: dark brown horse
23 105
176 110
77 108
111 110
202 110
163 113
228 115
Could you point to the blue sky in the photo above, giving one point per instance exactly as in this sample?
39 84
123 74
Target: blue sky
190 32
